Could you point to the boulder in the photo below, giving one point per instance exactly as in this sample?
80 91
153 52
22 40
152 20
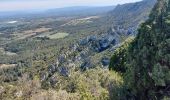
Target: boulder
77 58
62 58
130 31
84 41
64 71
57 63
92 38
104 44
43 76
19 94
2 90
113 42
74 47
53 81
52 69
105 61
86 65
83 54
95 46
88 39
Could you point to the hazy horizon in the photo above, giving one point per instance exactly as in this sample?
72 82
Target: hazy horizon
23 5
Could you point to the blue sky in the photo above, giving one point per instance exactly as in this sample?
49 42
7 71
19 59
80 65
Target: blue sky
13 5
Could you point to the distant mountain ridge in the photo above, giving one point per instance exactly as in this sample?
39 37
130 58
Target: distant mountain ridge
81 10
67 11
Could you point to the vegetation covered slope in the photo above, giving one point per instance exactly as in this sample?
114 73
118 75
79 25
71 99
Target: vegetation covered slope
63 69
131 14
94 84
147 59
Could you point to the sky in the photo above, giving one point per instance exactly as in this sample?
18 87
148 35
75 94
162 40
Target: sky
15 5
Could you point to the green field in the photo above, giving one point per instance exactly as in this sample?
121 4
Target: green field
58 35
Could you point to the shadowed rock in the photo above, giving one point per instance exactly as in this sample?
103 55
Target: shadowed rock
64 71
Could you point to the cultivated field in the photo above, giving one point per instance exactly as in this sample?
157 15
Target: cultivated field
58 35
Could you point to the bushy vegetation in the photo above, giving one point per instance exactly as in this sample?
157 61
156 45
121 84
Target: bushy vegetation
73 67
118 60
147 58
94 84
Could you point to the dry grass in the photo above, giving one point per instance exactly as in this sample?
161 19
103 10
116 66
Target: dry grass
29 33
36 30
81 21
7 66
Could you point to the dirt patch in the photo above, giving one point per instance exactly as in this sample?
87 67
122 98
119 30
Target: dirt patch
36 30
81 21
7 66
58 35
30 33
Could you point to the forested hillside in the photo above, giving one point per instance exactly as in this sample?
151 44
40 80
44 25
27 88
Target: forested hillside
145 61
131 14
51 57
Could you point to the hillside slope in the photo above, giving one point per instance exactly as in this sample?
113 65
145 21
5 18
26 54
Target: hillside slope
70 68
145 63
131 14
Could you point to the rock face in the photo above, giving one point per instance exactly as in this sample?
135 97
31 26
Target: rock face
88 39
92 38
43 76
53 81
84 41
131 31
73 47
62 58
105 42
105 61
64 71
86 65
99 44
52 69
79 55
